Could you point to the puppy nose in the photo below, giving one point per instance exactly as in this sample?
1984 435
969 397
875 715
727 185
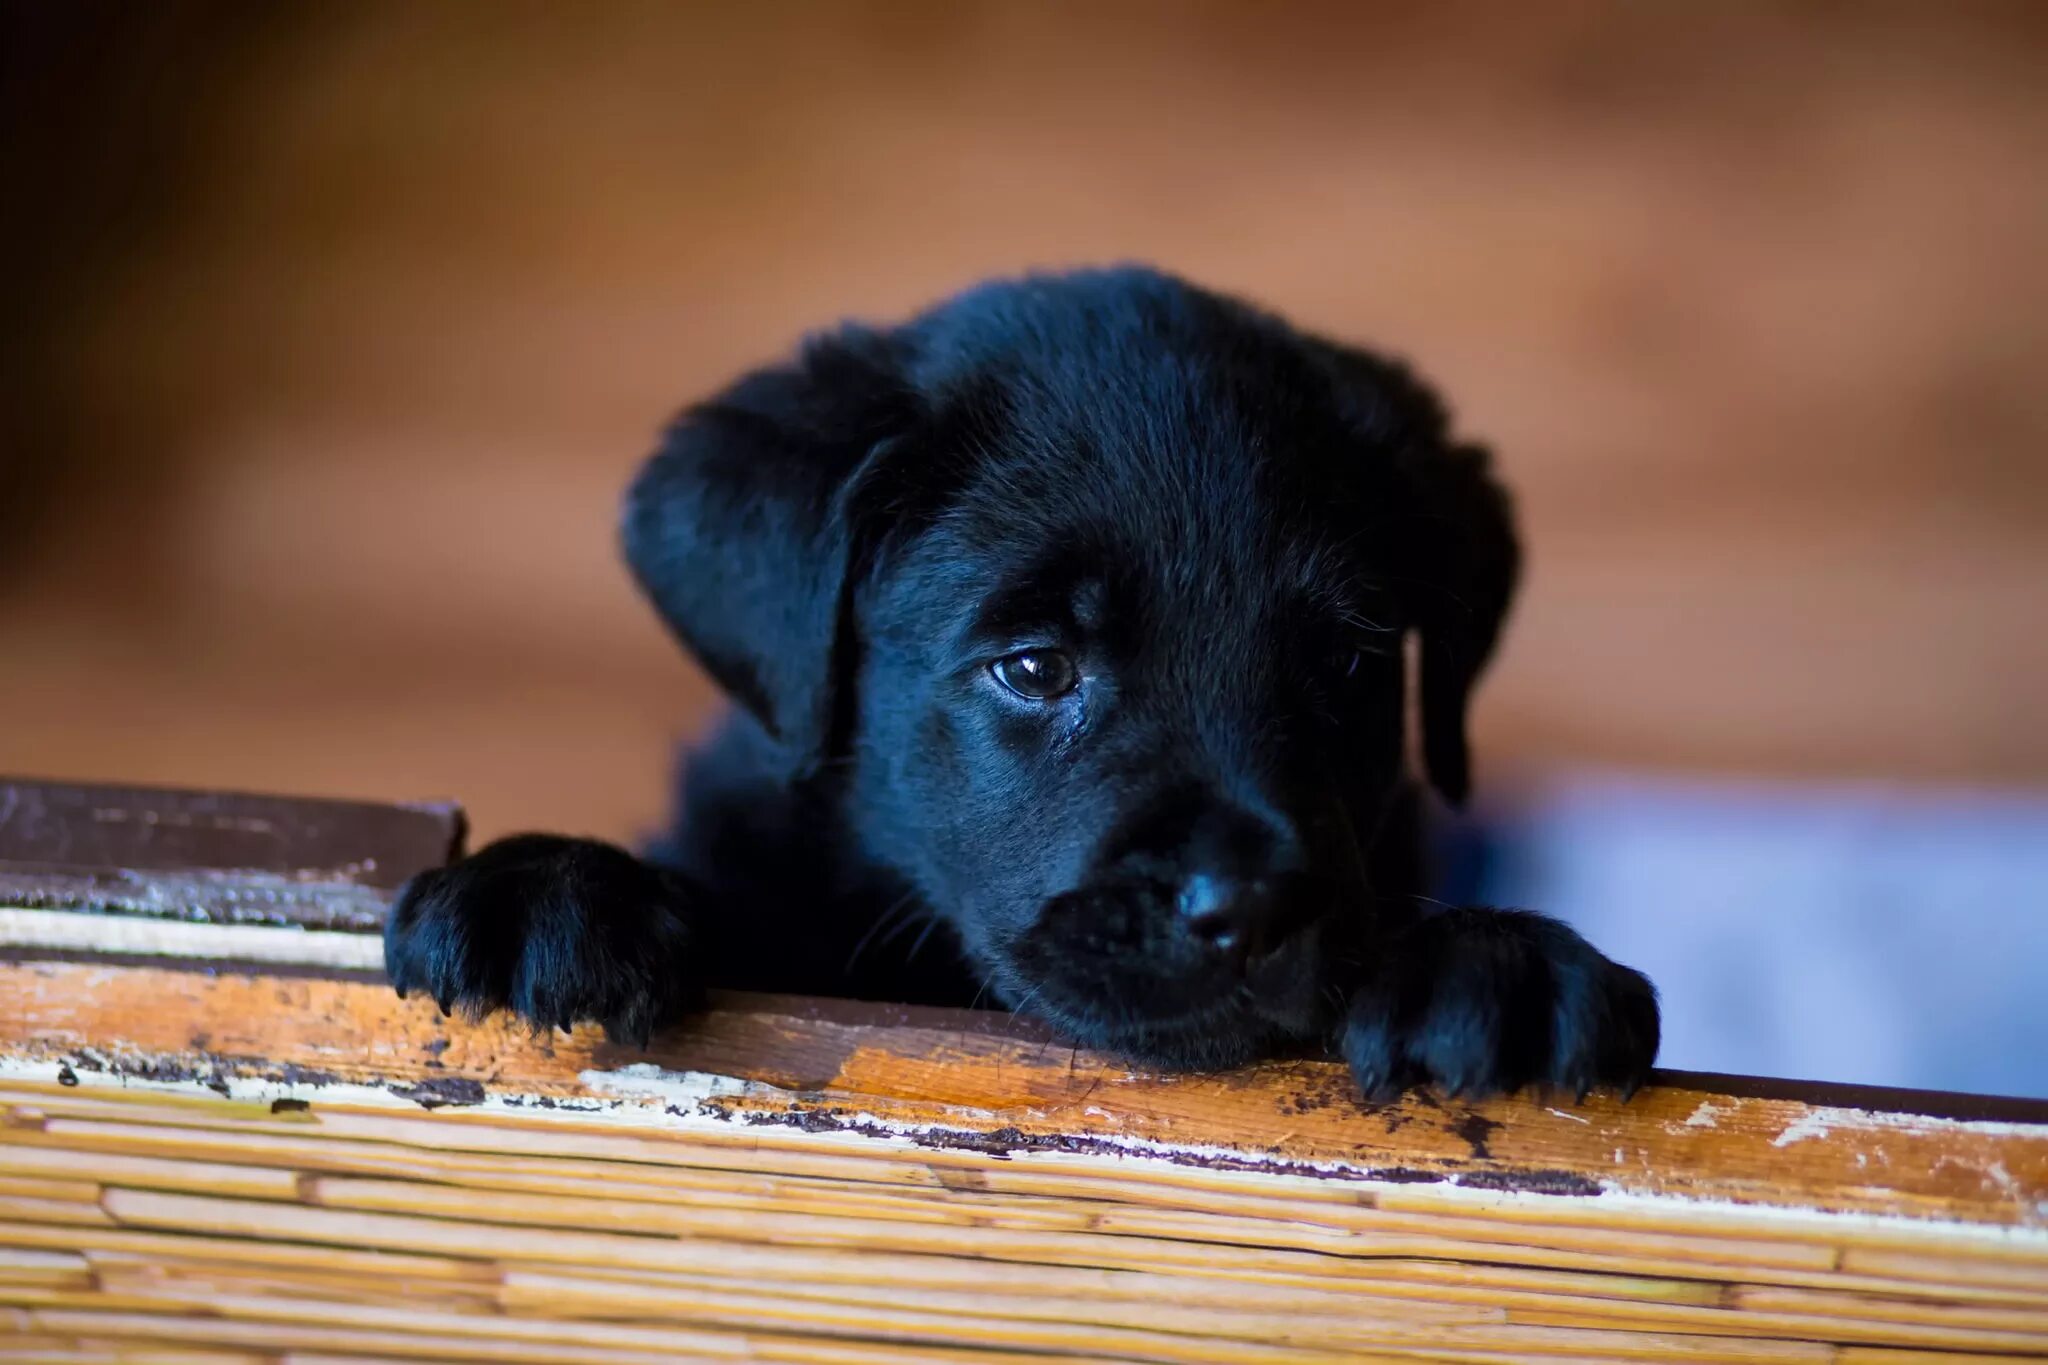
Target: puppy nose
1230 915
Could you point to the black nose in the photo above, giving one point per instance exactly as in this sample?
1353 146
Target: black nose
1232 916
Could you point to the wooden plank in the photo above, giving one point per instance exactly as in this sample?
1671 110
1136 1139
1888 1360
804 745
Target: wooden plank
970 1084
267 1156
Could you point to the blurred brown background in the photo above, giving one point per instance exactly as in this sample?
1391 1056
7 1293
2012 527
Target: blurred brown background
332 333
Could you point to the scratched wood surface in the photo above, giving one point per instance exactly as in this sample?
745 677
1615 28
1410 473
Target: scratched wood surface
257 1167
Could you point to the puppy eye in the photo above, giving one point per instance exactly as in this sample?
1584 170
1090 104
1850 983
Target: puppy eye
1036 674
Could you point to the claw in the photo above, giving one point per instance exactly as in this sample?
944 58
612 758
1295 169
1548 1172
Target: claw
445 1002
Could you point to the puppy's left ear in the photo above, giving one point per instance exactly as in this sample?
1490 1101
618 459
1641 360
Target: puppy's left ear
745 528
1453 543
1463 561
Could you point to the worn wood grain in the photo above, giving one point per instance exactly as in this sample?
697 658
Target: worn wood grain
985 1082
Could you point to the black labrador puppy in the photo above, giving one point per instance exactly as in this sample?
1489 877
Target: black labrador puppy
1067 625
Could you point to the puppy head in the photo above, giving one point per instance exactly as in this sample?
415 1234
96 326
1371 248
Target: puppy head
1088 594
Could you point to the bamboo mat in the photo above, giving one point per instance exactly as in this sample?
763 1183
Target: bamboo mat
228 1166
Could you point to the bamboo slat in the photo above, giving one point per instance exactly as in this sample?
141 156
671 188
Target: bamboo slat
235 1166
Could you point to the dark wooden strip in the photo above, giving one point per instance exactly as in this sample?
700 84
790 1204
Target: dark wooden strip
214 856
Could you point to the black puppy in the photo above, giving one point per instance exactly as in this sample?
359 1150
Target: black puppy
1068 620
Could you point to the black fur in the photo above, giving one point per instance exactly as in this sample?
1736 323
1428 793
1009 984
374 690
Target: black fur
1205 851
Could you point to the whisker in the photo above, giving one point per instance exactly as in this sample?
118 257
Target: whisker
1362 622
891 913
1022 1005
931 923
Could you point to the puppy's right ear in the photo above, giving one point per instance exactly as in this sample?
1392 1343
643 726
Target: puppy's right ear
741 533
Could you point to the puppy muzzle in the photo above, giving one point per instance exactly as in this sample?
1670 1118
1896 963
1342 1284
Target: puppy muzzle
1158 955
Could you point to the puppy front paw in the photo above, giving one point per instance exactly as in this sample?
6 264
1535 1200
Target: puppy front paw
1480 1002
554 929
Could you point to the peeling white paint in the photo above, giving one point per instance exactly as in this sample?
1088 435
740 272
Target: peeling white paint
1874 1120
646 1081
1575 1118
1808 1125
1704 1116
140 936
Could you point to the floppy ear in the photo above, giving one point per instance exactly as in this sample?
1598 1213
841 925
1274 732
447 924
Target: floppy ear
1453 542
741 529
1464 561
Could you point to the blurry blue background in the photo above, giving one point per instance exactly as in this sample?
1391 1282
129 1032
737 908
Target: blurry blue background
1846 932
